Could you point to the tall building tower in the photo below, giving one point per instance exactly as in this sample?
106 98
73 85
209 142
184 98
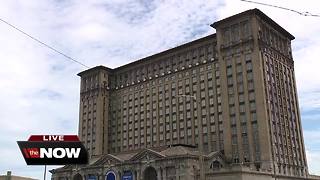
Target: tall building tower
261 111
94 105
222 106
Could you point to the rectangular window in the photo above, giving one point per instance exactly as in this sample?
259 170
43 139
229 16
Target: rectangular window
240 88
242 108
253 116
232 110
243 118
250 76
233 120
239 69
234 140
229 71
252 106
202 77
249 65
230 80
251 96
234 130
239 77
250 85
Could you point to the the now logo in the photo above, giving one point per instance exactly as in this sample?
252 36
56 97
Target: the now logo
53 150
59 152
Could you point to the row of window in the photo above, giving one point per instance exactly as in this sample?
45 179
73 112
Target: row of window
282 103
160 111
235 32
168 65
274 39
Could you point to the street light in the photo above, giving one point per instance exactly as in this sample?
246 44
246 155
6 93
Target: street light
202 176
45 172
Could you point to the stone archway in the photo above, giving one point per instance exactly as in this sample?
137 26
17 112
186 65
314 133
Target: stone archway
150 173
77 177
110 175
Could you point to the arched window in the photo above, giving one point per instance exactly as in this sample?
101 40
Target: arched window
77 177
110 175
215 165
150 174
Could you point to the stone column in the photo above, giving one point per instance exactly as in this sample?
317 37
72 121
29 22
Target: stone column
184 169
164 173
178 171
138 174
101 177
134 174
119 175
159 175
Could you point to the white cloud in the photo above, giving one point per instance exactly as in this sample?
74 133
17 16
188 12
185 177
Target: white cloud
312 145
313 157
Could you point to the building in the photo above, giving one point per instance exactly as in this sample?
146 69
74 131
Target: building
221 107
9 176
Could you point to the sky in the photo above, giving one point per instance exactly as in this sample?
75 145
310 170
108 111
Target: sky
39 89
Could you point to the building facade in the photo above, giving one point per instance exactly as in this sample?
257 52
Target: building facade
224 106
9 176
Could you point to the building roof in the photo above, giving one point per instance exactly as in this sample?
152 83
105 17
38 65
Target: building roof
126 156
143 154
255 11
179 150
9 175
94 69
107 158
146 152
152 57
260 14
183 46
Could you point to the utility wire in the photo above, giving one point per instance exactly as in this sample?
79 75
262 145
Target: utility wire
292 10
44 44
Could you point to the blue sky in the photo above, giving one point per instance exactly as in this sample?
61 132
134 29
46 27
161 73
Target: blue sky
39 89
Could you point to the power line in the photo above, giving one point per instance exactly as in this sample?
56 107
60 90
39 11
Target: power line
44 44
279 7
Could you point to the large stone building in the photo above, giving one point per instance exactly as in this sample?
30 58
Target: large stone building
221 107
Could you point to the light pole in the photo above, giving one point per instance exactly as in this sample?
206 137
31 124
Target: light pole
45 172
202 176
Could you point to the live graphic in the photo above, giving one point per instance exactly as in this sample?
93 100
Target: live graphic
53 150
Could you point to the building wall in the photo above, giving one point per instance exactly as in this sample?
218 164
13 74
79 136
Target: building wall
272 105
153 113
241 83
283 107
9 176
233 91
153 99
94 105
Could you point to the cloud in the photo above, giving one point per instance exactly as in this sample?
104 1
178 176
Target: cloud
313 157
312 146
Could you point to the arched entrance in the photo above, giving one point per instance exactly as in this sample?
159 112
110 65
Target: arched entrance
77 177
110 175
150 174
